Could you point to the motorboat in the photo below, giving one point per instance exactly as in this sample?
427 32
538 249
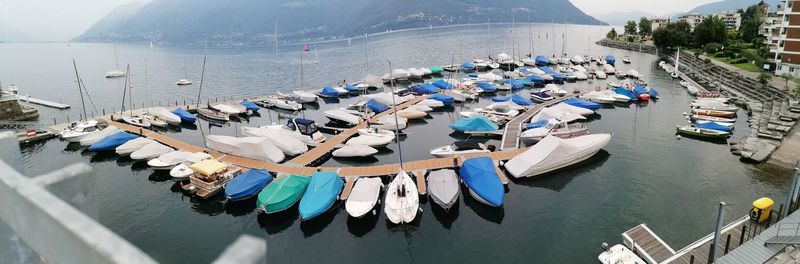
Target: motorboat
582 104
476 122
328 92
541 97
609 69
302 96
181 172
714 105
703 122
132 145
183 82
342 116
600 75
633 74
165 115
581 76
77 130
283 103
95 136
431 103
303 129
550 113
354 151
411 114
402 199
230 109
136 120
211 176
713 118
692 90
247 184
372 141
213 115
400 75
155 121
322 192
150 151
572 109
250 105
717 113
553 127
391 122
375 131
184 115
289 145
577 60
461 95
480 176
505 109
112 141
626 60
578 68
727 127
443 187
386 98
115 74
600 97
257 148
702 132
169 160
421 108
364 196
282 193
459 148
553 89
415 74
618 254
553 153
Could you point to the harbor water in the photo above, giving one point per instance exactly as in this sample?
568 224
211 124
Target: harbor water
645 175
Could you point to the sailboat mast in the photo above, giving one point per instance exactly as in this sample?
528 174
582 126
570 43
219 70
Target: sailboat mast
513 51
301 68
275 48
396 121
677 60
530 34
202 76
80 90
130 88
116 58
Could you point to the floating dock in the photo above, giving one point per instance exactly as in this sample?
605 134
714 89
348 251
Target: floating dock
41 102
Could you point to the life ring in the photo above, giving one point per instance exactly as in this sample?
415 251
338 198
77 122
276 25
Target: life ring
754 214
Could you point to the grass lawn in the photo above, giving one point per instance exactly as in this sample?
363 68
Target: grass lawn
747 66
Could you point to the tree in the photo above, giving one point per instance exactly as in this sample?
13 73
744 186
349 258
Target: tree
764 78
612 34
630 28
645 27
786 79
672 35
711 29
751 21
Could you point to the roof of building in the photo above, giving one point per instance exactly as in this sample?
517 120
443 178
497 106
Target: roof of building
754 251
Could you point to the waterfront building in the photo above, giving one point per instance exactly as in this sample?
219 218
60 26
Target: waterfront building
787 53
732 19
692 19
656 23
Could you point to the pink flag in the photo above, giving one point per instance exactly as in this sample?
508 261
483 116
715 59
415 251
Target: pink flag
305 48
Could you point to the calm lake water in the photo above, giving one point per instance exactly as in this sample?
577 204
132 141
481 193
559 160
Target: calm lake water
645 175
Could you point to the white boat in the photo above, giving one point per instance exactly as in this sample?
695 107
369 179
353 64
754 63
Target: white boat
617 97
581 76
499 108
304 97
168 160
443 186
459 148
388 123
132 145
115 74
400 75
283 103
93 137
608 69
136 120
183 82
415 74
375 131
684 83
182 170
490 77
578 68
227 108
701 122
354 151
287 144
504 87
549 113
553 127
369 140
421 108
386 98
457 95
633 74
213 115
702 132
619 254
723 100
166 115
600 75
552 153
553 89
150 151
303 129
599 97
572 109
402 199
713 118
342 116
411 114
577 59
341 90
248 147
77 130
364 196
431 103
713 105
626 60
692 90
155 121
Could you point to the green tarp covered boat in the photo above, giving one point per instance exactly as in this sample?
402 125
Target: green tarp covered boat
282 193
436 69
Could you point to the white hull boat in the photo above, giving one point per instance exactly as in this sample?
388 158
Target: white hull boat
431 103
183 82
372 141
133 145
411 114
287 144
284 104
354 151
459 148
150 151
168 160
166 115
402 199
182 171
443 186
98 135
257 148
553 153
553 128
388 123
304 130
77 130
375 131
619 254
338 115
549 113
364 197
572 109
553 89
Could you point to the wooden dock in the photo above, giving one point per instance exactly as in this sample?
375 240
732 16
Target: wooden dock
514 127
649 245
28 99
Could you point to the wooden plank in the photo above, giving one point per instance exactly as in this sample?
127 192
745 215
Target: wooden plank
348 186
501 175
421 185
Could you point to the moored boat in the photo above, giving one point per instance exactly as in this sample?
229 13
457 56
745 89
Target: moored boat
322 192
282 193
553 153
702 132
247 184
402 199
364 196
443 187
480 176
211 176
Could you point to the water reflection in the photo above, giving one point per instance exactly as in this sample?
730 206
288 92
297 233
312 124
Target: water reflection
361 226
357 161
317 224
73 147
102 156
159 176
242 207
446 217
212 206
490 213
278 222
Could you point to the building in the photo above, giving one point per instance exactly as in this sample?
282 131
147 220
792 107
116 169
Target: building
732 19
692 19
656 23
771 29
787 53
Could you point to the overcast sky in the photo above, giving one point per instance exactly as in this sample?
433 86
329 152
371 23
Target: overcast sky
65 19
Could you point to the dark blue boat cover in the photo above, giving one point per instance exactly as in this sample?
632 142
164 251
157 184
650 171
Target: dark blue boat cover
515 84
714 126
487 87
639 90
329 91
547 70
445 99
481 177
472 75
501 98
517 99
350 88
248 184
536 78
304 122
542 95
524 70
468 66
623 91
474 123
536 124
185 116
425 88
541 60
558 76
112 141
582 103
249 105
442 84
376 107
653 93
610 59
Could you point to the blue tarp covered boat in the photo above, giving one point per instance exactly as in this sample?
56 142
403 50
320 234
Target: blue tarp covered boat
376 107
639 90
541 60
425 88
515 84
623 91
472 75
517 99
468 66
445 99
714 126
536 79
582 103
480 176
501 98
652 92
526 81
111 142
610 59
249 105
524 70
247 185
185 116
328 91
320 195
557 77
442 84
351 89
487 87
547 70
536 124
474 123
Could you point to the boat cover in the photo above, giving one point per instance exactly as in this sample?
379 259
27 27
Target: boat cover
112 141
542 95
610 59
548 113
487 87
184 115
431 103
468 66
249 105
247 184
474 123
165 115
519 100
442 84
481 177
98 135
281 138
515 84
501 98
425 88
169 158
536 124
639 90
652 92
354 150
208 167
322 191
547 70
282 193
536 78
436 69
553 153
258 148
133 145
363 196
582 103
350 88
150 151
370 140
557 76
446 99
376 107
715 126
623 91
572 109
443 186
329 91
541 60
526 81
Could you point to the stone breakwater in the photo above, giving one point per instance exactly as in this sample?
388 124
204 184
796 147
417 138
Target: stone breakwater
771 113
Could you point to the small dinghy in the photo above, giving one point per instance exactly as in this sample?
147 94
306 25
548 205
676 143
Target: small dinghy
402 199
364 196
247 185
702 132
257 148
184 115
716 113
287 144
715 126
282 193
150 151
411 114
480 176
342 116
182 171
702 122
443 187
97 136
713 118
168 160
354 151
552 153
372 141
132 145
322 192
459 148
112 141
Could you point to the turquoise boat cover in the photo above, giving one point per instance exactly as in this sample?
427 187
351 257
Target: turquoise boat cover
111 142
481 177
474 123
320 195
248 184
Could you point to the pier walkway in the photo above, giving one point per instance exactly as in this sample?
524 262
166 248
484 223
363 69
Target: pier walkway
514 127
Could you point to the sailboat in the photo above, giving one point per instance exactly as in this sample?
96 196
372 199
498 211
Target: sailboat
185 80
131 118
316 55
676 73
116 73
78 130
208 113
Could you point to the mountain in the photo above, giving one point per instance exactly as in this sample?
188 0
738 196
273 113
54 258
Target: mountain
620 18
9 33
732 5
244 22
117 16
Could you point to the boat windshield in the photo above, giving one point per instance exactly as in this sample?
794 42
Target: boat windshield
307 129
